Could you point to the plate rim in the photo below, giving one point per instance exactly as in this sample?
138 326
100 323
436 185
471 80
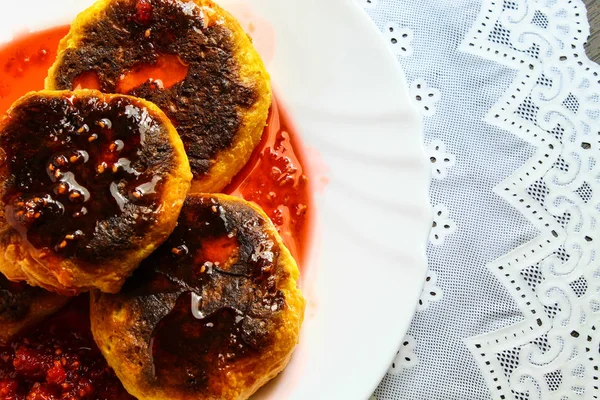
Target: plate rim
420 262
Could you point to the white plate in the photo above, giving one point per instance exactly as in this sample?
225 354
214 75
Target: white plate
349 101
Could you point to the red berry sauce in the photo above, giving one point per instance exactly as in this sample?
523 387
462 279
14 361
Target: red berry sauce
58 360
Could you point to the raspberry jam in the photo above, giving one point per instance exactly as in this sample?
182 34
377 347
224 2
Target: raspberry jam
24 64
58 360
274 178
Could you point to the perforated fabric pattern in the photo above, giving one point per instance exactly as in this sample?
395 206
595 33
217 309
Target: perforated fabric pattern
509 98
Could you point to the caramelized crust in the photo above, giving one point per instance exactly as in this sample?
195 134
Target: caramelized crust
91 185
214 313
220 102
22 306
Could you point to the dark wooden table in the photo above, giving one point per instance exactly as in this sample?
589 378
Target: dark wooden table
593 45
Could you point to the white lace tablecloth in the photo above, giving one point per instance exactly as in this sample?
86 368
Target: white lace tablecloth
511 108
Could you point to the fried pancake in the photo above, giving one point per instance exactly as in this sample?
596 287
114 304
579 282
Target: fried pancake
91 185
192 59
22 305
214 313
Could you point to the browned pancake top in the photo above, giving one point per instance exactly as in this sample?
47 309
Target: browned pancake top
208 297
16 300
133 34
82 176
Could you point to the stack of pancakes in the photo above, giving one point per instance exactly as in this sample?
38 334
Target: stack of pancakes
109 185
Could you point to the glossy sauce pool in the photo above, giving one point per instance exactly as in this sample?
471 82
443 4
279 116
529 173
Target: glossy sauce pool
274 178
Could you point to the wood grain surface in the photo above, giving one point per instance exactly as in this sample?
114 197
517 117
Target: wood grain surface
593 44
